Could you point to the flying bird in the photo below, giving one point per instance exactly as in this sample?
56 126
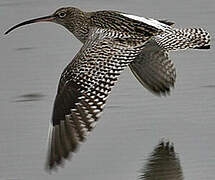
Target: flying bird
112 40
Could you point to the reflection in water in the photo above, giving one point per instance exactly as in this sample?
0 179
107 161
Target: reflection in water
163 164
29 97
209 86
24 48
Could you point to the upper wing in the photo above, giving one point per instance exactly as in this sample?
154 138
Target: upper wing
84 87
153 68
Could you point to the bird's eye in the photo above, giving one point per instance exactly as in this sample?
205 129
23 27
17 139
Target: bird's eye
62 14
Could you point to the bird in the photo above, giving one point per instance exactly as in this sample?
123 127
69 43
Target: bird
112 40
163 163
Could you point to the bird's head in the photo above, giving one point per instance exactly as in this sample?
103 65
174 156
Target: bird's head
69 17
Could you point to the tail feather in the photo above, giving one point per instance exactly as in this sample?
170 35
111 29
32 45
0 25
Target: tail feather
195 38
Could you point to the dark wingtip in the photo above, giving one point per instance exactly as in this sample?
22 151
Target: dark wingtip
203 47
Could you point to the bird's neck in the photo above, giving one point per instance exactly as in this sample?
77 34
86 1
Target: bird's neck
79 25
81 35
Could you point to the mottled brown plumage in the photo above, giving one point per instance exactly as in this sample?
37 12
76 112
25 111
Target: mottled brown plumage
111 41
85 85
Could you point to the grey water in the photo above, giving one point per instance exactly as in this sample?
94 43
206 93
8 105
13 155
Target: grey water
134 120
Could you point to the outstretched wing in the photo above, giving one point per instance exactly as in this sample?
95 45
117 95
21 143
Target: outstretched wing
153 68
84 87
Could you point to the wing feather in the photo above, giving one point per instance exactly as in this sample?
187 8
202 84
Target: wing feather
84 87
153 68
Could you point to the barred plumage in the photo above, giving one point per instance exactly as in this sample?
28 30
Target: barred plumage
85 85
184 38
111 41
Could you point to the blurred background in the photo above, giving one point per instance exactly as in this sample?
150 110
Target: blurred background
134 120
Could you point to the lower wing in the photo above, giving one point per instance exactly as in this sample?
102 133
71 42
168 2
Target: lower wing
153 69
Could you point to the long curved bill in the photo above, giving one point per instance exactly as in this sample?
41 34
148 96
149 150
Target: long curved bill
41 19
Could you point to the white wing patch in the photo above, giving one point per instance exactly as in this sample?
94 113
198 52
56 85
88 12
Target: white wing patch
149 21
